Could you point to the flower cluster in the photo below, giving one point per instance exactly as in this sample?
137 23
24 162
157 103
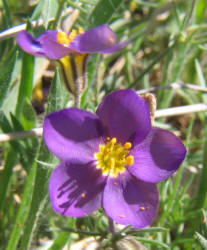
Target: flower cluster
111 159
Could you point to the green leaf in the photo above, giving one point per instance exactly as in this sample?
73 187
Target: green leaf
8 14
38 10
29 115
6 174
201 6
6 127
56 100
59 95
201 78
5 78
202 190
22 214
153 242
64 237
202 240
49 10
103 12
25 89
147 230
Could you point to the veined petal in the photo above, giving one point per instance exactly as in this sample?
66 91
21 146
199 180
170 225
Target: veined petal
72 134
130 202
28 43
76 190
125 115
73 69
158 156
96 39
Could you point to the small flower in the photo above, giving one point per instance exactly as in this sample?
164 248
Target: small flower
56 44
71 50
111 159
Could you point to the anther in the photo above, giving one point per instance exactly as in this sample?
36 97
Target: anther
111 39
127 145
83 195
122 216
72 35
130 160
112 163
62 37
113 140
80 30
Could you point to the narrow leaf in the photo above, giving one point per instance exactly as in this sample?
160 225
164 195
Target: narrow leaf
103 12
5 77
25 89
202 240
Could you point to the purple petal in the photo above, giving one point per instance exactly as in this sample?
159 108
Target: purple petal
76 190
158 156
130 202
72 134
115 48
96 39
125 115
29 44
52 48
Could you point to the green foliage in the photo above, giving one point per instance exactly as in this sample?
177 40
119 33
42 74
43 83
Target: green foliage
167 45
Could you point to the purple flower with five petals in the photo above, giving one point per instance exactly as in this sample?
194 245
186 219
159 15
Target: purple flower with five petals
56 44
112 159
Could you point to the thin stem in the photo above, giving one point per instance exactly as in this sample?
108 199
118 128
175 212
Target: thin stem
81 231
59 12
111 226
76 6
156 60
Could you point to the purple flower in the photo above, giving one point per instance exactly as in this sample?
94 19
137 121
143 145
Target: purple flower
57 44
111 159
71 49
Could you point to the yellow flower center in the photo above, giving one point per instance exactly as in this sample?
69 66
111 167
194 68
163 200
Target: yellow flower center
113 158
66 39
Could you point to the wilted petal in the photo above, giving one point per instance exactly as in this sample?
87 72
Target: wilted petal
30 44
96 39
125 115
76 190
158 156
72 134
130 202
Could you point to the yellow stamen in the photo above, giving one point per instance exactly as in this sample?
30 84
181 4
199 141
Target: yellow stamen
130 160
113 140
142 208
62 37
113 158
127 145
72 35
112 163
80 30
